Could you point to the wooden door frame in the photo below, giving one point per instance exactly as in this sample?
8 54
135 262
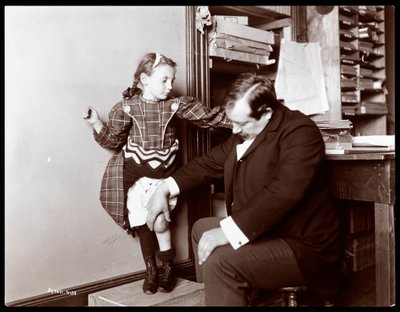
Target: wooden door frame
198 139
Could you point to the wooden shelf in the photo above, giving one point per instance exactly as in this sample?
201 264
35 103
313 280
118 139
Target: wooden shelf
220 65
257 14
361 38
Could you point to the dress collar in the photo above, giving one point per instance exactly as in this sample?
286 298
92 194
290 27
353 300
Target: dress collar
145 101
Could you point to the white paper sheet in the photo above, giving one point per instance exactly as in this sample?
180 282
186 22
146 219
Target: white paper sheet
374 140
300 80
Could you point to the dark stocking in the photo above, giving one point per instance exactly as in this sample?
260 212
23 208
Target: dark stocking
148 245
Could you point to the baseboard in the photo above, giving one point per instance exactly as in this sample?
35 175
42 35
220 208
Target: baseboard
78 296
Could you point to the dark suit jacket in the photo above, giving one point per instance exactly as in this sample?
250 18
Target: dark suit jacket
279 188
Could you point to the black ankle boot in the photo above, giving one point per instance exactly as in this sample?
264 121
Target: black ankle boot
150 284
168 278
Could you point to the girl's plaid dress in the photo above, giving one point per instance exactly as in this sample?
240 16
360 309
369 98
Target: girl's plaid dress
142 135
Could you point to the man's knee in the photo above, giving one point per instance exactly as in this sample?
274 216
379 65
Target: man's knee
202 225
197 230
161 224
216 265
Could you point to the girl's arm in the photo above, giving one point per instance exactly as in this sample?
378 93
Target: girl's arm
114 133
193 110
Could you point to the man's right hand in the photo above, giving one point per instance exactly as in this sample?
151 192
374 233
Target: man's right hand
157 204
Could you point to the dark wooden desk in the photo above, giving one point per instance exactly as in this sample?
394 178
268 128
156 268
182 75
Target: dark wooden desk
370 177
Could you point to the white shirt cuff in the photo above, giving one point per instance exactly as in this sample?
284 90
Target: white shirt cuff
234 234
173 187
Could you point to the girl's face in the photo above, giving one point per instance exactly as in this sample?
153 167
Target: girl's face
159 84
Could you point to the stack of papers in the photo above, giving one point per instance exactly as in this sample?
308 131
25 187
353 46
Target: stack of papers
367 144
386 141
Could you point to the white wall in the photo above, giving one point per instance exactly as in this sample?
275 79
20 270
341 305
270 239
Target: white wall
58 59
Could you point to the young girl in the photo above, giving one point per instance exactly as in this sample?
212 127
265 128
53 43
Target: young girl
141 133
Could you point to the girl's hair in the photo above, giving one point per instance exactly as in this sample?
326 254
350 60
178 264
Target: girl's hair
258 89
148 63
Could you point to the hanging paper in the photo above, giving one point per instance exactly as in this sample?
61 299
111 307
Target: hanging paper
300 80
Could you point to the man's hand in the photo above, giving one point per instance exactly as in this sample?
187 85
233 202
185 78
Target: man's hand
157 204
209 241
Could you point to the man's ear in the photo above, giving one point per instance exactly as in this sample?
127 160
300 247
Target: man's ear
264 109
267 113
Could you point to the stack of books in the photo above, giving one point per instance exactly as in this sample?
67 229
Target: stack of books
230 38
336 135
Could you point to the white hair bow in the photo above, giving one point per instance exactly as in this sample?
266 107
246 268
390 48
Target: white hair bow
157 60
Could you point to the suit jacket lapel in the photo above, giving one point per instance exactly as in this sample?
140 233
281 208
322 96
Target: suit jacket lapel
230 164
229 172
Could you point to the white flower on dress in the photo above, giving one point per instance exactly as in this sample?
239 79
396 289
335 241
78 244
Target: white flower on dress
175 105
127 108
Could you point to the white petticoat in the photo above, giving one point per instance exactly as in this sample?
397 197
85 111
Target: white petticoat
138 195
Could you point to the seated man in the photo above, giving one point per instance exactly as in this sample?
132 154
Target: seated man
281 229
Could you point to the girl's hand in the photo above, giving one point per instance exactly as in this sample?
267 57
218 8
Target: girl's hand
90 115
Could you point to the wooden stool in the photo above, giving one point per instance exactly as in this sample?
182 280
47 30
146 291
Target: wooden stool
186 293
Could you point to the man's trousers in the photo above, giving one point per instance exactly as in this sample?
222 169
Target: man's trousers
230 275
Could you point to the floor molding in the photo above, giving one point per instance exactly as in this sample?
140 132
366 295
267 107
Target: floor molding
78 296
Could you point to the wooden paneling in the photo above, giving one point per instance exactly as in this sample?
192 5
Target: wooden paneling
366 180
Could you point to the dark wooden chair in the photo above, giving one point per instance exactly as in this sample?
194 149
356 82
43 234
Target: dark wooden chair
287 297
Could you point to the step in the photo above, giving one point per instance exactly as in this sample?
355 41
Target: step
186 293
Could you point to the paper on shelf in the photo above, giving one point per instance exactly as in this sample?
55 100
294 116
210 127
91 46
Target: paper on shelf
335 151
239 56
246 32
374 140
369 149
235 43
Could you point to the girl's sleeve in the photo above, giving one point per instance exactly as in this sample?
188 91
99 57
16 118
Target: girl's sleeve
191 109
114 133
